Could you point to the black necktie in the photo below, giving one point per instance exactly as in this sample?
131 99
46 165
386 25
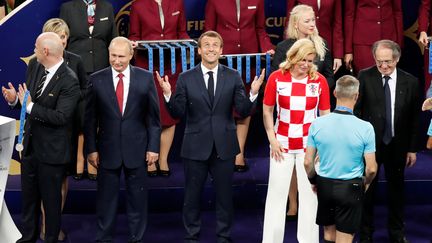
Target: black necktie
41 84
210 86
387 137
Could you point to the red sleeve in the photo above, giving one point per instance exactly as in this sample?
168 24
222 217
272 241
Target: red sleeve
423 15
260 28
135 23
181 23
210 16
270 90
338 40
324 100
397 13
349 16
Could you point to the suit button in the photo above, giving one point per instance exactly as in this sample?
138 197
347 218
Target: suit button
379 6
90 37
238 29
238 45
91 51
317 17
162 35
378 22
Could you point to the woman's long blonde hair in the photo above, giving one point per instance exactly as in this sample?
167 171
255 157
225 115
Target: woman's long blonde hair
292 31
297 53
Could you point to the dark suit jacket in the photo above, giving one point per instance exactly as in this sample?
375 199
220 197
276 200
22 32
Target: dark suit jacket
371 107
93 48
120 138
206 123
367 21
47 128
325 67
245 36
328 21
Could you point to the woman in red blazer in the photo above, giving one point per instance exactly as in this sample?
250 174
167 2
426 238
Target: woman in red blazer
145 24
328 14
424 23
367 21
243 33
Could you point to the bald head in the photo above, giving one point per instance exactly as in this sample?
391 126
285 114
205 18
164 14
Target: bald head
48 49
120 40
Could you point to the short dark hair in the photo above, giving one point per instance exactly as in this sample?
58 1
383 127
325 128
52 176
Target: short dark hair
210 33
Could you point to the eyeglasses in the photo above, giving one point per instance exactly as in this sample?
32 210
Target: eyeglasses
386 62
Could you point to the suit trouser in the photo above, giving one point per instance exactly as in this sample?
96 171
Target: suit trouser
196 175
394 168
276 201
107 201
41 181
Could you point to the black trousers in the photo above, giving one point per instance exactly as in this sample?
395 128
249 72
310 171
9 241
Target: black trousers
40 181
195 176
394 167
108 184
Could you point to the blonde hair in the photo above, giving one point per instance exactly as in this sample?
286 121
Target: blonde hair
297 53
292 30
56 25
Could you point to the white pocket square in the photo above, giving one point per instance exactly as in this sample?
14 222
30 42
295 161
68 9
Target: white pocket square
103 19
175 13
251 7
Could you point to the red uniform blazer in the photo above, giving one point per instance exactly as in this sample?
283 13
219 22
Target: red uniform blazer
367 21
424 17
245 36
328 21
145 23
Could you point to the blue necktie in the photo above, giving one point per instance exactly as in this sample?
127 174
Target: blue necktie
387 137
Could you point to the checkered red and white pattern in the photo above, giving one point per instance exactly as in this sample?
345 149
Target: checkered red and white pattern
297 103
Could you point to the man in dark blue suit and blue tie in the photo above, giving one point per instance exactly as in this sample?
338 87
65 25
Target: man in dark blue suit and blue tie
205 97
122 132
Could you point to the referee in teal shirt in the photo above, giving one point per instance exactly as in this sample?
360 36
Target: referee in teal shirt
342 142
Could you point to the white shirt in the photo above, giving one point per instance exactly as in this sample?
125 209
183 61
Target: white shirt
51 71
392 86
126 84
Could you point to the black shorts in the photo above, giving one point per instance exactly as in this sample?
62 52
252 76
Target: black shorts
340 203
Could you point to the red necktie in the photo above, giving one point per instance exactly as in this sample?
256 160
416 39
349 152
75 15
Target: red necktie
119 91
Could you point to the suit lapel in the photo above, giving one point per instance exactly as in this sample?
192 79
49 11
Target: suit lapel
201 85
54 80
110 91
132 88
81 10
219 85
401 90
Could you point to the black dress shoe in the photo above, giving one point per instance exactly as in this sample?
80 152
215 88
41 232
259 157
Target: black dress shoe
399 240
152 173
291 218
164 173
241 168
78 176
92 177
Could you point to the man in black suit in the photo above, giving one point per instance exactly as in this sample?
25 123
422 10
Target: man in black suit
54 93
389 100
206 96
122 132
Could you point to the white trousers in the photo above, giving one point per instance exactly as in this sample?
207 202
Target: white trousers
276 201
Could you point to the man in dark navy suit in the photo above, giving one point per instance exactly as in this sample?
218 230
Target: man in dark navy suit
205 96
122 132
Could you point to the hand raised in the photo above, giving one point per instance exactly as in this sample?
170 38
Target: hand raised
164 84
9 93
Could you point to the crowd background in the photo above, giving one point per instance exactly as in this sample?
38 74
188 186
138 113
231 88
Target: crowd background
22 25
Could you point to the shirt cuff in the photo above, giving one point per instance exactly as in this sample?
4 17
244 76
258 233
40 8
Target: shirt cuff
15 102
29 107
167 97
252 98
